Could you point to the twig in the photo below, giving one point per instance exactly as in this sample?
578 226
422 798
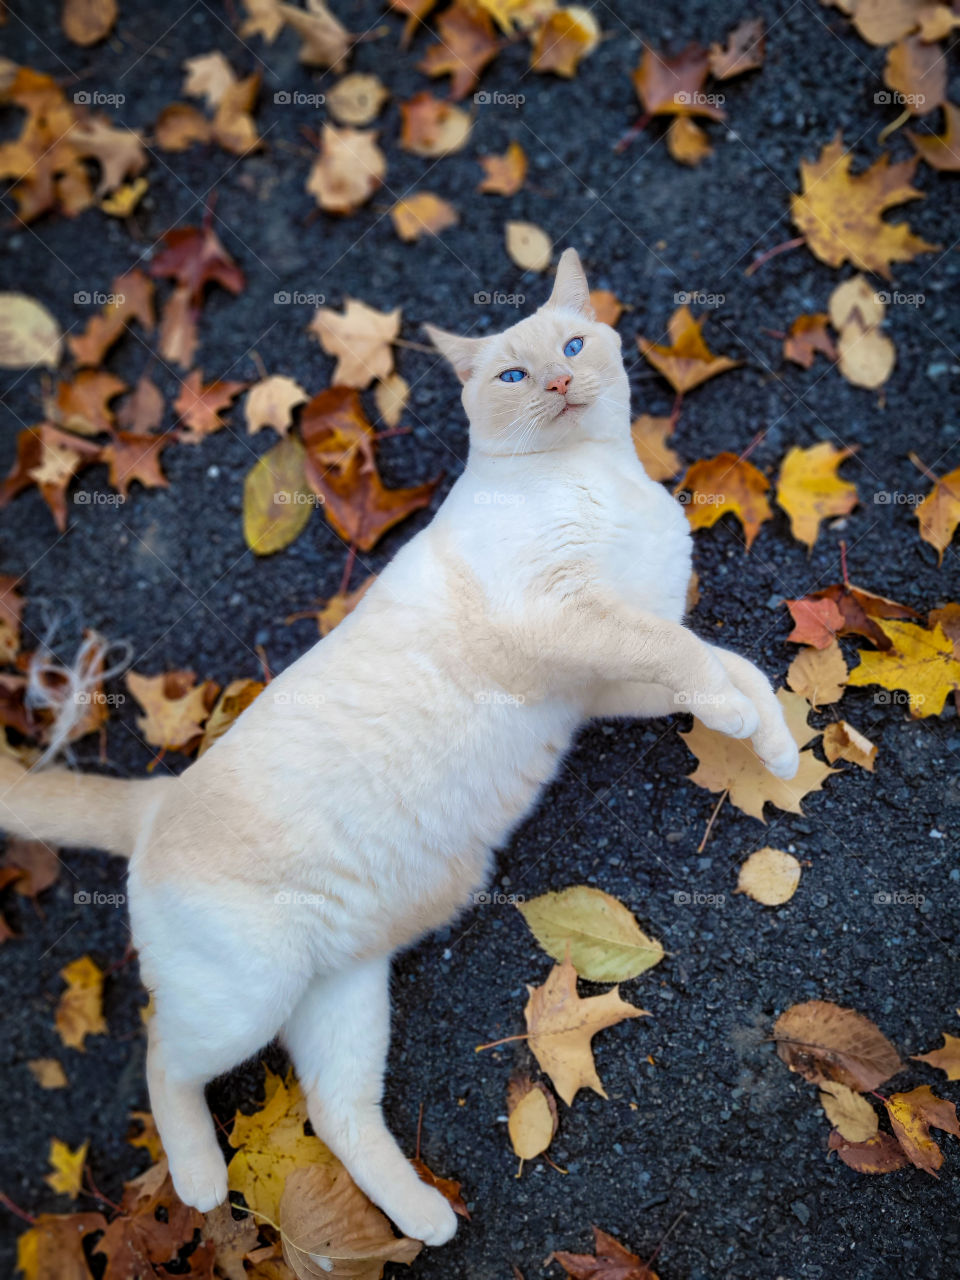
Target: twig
713 817
15 1209
633 132
787 245
894 125
506 1040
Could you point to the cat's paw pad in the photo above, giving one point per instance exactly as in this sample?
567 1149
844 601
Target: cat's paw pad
783 763
201 1183
427 1217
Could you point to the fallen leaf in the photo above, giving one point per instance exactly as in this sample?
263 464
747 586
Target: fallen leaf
824 1043
52 1249
390 396
83 404
348 171
179 126
198 405
174 705
562 1025
431 127
809 489
532 1117
687 142
87 22
271 402
744 50
936 21
856 297
357 99
468 42
529 246
859 610
687 361
920 662
233 125
330 1229
917 71
940 150
946 1058
29 335
208 76
865 356
12 604
841 741
37 862
195 257
612 1261
80 1008
912 1116
731 764
880 1154
122 202
152 1227
448 1187
340 605
816 622
504 174
231 704
726 484
840 214
342 470
270 1144
564 40
48 1073
939 512
607 309
673 86
849 1112
132 457
67 1176
145 1135
422 214
808 335
142 410
326 41
601 937
277 500
130 298
649 440
360 339
884 21
263 19
231 1240
769 877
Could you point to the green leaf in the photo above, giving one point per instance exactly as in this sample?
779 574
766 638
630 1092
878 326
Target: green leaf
277 500
606 943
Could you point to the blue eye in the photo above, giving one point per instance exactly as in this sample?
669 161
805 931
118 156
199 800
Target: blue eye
573 347
512 375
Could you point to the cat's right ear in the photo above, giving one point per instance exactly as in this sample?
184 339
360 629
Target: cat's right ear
463 353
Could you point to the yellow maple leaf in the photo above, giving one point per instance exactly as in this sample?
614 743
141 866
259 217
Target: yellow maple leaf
731 764
687 361
80 1011
841 214
809 489
726 484
920 662
946 1058
270 1144
67 1166
939 512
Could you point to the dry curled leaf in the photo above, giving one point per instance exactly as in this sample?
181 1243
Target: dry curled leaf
823 1043
610 1261
532 1117
841 741
87 22
917 71
325 40
808 335
946 1058
562 41
348 171
913 1116
468 42
687 142
422 214
599 935
939 512
726 484
879 1154
744 50
673 86
940 150
687 361
769 876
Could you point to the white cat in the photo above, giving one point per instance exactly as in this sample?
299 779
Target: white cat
355 805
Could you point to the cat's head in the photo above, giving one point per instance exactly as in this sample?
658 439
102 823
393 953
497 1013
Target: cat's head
549 380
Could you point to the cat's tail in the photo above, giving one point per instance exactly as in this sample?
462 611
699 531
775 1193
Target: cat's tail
67 808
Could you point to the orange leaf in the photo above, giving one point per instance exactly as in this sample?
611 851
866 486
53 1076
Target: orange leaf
727 483
688 361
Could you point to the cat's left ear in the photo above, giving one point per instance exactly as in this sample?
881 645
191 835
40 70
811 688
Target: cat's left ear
463 353
570 289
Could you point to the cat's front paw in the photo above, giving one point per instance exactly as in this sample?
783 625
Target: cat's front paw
784 762
731 713
201 1183
425 1216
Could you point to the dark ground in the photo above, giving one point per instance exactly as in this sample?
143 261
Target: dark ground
717 1130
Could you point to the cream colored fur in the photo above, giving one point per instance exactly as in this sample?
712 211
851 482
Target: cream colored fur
356 804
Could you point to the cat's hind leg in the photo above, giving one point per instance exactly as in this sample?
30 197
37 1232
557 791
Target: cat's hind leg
337 1036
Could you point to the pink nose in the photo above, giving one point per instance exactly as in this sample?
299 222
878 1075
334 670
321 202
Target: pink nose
559 383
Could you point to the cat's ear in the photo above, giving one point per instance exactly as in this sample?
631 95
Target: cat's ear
570 289
463 353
